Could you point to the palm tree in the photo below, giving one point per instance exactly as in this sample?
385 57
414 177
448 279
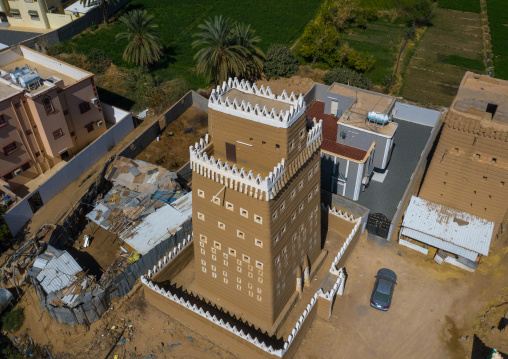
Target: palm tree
227 49
246 38
144 47
103 4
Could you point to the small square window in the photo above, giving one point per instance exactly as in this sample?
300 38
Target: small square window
238 280
316 189
225 255
246 258
301 207
300 185
260 280
229 206
249 267
84 107
309 197
259 265
89 127
203 238
203 262
202 244
216 200
249 285
225 262
259 290
277 146
251 293
201 193
201 216
258 243
239 287
10 148
240 234
239 262
274 215
293 216
214 274
232 252
260 273
316 167
203 251
28 132
282 206
244 213
293 194
221 226
224 273
226 280
214 251
217 245
203 269
309 176
213 268
276 239
283 230
214 257
258 219
239 269
259 298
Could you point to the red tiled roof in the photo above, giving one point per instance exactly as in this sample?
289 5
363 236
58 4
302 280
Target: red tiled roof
330 144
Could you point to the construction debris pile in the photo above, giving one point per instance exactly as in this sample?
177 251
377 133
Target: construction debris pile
144 206
62 279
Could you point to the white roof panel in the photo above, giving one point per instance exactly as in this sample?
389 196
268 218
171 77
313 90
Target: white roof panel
156 227
450 225
184 204
58 273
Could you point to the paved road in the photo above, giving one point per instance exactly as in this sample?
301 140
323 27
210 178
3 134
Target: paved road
9 37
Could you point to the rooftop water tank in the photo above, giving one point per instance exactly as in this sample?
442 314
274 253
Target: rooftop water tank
378 117
30 80
18 72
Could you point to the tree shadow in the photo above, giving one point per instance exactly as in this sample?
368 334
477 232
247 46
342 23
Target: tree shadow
482 351
168 58
114 99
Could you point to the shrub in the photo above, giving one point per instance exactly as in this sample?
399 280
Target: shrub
280 62
13 320
98 61
346 76
5 233
163 96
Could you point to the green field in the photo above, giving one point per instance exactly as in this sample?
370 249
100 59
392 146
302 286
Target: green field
498 21
382 40
461 5
274 21
444 53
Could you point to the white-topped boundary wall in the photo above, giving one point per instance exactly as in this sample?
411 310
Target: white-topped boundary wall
337 289
220 101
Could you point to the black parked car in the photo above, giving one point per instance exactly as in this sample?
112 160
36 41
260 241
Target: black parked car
381 297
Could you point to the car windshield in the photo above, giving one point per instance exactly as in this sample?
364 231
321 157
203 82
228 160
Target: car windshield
381 297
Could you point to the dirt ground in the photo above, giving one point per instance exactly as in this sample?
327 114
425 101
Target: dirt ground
172 152
148 333
433 306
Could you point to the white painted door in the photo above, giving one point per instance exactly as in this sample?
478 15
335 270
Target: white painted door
335 108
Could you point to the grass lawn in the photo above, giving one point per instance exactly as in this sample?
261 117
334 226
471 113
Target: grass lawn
274 21
461 5
380 39
498 21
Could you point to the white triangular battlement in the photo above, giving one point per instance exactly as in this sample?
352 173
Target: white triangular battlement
220 101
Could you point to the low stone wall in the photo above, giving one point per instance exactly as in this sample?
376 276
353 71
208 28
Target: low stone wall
216 325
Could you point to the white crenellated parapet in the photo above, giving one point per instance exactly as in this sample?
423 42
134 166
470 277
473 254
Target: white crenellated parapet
340 214
235 178
220 101
357 221
315 132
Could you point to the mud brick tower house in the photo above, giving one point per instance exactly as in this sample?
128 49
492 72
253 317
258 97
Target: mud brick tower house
256 200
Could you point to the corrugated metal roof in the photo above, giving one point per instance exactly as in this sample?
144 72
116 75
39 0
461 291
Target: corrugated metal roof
450 225
439 243
155 227
59 272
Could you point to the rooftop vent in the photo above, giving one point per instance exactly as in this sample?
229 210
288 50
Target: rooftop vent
26 78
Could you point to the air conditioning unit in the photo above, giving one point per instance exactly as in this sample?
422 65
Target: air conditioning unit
17 172
95 100
99 123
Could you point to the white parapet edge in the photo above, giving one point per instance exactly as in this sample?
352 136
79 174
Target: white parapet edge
220 101
240 179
